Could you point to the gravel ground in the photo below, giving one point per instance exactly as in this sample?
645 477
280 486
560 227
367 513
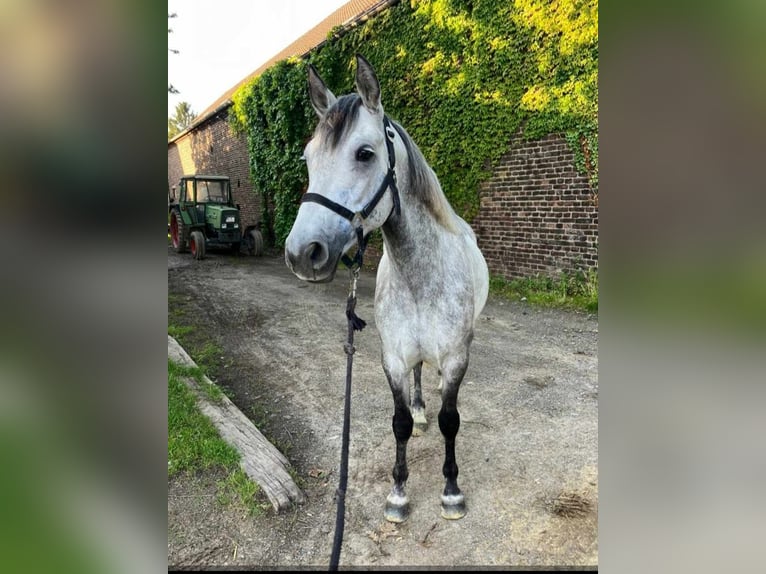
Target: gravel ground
527 449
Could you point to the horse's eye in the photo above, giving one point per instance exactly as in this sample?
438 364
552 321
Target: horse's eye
364 154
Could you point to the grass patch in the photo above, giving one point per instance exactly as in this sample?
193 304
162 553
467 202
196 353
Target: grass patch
177 313
258 415
237 487
195 445
178 332
209 356
578 291
193 441
212 391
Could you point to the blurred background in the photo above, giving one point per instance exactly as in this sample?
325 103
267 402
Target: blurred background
683 286
83 292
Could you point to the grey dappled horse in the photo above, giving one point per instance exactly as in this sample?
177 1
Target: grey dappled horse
432 280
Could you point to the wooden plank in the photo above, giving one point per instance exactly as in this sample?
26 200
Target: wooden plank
260 459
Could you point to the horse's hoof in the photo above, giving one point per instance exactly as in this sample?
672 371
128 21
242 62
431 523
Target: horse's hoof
397 508
453 506
419 421
419 428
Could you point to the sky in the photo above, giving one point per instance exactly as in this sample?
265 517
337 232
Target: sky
222 41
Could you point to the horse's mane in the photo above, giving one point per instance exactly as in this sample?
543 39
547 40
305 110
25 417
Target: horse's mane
423 183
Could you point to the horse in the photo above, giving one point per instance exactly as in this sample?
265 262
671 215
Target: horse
365 172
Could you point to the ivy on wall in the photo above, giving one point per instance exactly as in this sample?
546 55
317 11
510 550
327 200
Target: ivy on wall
462 76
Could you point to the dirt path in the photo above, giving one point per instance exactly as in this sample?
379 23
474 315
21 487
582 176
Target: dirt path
527 447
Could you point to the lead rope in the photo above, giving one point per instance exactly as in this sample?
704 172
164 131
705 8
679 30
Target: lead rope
354 324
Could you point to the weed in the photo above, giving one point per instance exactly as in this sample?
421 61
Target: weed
579 291
212 392
176 370
238 488
259 415
177 313
283 446
571 505
178 332
297 478
209 357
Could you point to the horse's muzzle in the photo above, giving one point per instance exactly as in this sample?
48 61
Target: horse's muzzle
312 262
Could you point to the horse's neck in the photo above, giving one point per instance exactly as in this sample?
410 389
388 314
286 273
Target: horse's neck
413 236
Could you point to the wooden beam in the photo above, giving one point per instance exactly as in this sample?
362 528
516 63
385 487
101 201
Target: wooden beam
260 459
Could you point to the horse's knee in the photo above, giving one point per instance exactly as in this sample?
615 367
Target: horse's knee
449 422
402 424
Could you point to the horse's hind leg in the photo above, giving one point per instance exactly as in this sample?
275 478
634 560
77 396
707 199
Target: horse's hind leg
453 501
418 406
397 503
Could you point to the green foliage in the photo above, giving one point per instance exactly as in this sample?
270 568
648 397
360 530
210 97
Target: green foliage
462 76
193 442
238 487
177 332
576 291
209 357
275 113
182 119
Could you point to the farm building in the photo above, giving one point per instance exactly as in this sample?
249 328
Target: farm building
536 213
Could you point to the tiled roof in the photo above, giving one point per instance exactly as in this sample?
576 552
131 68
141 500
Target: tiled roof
346 15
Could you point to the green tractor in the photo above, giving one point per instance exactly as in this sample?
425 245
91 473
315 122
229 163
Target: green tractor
202 213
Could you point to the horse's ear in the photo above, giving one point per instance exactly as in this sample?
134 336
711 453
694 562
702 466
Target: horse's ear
321 97
367 84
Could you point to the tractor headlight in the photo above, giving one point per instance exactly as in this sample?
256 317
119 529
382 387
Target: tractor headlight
231 219
223 226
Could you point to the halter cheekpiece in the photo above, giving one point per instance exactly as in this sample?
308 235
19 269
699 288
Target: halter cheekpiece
357 219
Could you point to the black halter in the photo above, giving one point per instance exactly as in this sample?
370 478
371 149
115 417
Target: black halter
357 219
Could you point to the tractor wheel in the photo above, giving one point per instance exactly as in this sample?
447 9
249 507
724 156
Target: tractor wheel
197 244
255 246
179 235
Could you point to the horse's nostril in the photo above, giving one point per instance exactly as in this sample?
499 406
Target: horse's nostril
316 253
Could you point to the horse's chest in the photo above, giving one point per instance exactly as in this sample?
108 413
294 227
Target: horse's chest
428 318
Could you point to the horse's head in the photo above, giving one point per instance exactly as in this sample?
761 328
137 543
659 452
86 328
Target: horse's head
349 176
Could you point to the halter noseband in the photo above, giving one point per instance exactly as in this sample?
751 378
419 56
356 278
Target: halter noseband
357 219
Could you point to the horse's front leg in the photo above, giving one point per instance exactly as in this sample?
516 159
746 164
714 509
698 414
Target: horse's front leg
453 501
397 503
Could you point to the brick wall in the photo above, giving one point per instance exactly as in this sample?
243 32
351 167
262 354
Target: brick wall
537 214
213 149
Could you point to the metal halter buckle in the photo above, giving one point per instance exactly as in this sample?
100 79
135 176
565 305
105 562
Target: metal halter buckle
358 220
